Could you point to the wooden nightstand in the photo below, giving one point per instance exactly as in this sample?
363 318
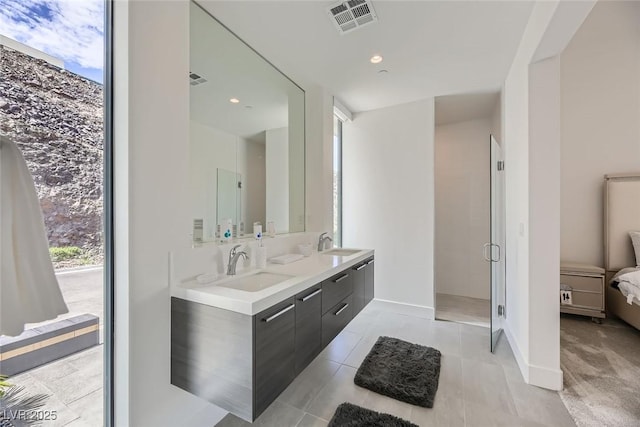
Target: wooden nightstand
586 283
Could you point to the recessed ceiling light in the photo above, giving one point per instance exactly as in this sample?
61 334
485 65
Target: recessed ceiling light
376 59
383 71
234 100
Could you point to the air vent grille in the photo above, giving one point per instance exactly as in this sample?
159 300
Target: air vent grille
195 79
351 15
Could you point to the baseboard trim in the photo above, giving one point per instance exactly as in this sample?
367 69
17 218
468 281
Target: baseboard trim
517 353
404 308
539 376
551 379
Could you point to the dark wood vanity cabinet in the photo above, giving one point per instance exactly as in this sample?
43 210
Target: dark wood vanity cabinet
335 319
336 288
308 326
369 277
358 272
241 362
274 354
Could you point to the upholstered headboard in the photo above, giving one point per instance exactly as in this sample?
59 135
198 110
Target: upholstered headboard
621 215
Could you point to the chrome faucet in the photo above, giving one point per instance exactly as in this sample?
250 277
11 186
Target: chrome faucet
233 260
322 240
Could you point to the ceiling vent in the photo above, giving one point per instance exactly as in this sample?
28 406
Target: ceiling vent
195 79
351 15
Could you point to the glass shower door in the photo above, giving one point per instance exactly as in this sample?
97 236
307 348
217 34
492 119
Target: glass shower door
495 250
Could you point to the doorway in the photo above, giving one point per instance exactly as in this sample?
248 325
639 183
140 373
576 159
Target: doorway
463 206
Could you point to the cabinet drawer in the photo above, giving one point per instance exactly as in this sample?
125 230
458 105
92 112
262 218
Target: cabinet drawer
335 319
336 288
308 326
274 353
582 283
587 300
358 272
368 281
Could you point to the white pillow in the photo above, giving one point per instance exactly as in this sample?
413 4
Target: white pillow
635 239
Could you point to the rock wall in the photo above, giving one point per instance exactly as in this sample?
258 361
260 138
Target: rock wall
56 119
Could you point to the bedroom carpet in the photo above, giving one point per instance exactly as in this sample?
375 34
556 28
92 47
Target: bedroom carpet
601 365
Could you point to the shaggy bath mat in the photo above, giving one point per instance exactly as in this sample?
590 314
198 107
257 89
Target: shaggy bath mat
401 370
348 415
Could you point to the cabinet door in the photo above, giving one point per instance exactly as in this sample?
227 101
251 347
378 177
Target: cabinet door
308 326
335 319
368 281
358 287
274 337
336 289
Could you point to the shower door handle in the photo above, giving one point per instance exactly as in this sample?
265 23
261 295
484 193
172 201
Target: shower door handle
484 251
489 257
499 253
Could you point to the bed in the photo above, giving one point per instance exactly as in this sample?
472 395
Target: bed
621 215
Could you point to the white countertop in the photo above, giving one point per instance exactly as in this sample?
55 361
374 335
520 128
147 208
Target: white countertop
306 273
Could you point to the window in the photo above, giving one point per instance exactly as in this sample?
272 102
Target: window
337 181
56 91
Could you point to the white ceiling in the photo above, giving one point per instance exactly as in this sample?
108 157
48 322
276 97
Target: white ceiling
430 48
463 107
233 70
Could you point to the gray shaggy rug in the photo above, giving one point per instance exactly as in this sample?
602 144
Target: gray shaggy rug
348 415
401 370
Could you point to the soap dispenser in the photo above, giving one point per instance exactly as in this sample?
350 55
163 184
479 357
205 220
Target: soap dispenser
261 251
226 230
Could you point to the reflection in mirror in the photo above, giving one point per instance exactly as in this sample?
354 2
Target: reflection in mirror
229 195
247 135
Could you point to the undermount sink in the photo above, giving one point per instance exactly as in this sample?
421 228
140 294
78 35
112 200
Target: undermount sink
254 282
340 252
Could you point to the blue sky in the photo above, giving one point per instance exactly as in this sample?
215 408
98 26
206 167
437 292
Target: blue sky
72 30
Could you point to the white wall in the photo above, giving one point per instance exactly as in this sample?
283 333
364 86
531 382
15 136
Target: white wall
209 150
212 149
600 121
254 184
532 113
319 159
388 197
152 208
297 162
277 178
516 151
462 208
496 120
544 225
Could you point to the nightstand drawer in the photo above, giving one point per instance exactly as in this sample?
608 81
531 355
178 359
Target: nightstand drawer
582 283
587 300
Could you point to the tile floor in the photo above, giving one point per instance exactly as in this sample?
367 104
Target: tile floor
476 388
455 308
74 383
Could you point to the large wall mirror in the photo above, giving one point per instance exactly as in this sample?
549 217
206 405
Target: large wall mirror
247 136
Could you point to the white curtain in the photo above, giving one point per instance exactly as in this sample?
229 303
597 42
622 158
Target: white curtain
29 290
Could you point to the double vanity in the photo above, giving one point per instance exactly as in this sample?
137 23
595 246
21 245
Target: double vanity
240 341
